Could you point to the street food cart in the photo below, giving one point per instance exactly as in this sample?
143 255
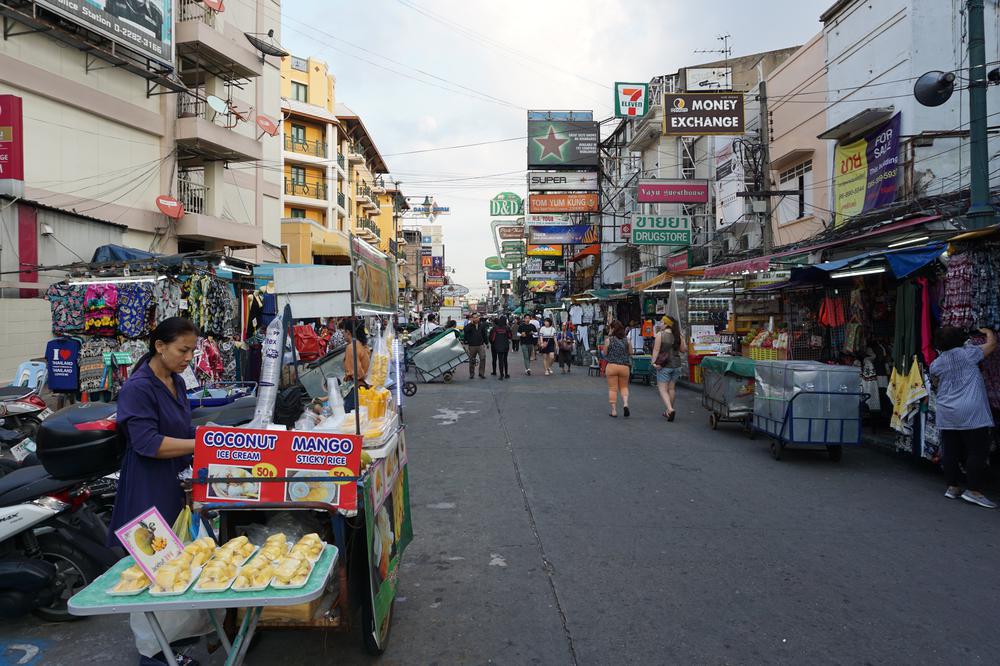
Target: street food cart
728 389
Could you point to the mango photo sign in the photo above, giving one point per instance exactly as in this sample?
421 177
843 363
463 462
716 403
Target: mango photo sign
150 540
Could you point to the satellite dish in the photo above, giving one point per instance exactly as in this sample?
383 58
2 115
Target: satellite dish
267 47
934 88
215 5
267 126
170 206
217 104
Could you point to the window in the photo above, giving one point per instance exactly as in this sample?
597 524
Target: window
298 134
798 177
300 92
298 175
298 213
300 64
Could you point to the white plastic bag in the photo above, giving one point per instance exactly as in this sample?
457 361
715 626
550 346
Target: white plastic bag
270 373
176 625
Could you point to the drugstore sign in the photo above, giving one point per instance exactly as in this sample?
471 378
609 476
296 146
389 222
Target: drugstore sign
661 230
236 462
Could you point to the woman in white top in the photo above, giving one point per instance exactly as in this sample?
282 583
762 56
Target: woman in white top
547 345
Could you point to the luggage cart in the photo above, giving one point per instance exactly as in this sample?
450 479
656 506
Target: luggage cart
728 383
832 432
436 357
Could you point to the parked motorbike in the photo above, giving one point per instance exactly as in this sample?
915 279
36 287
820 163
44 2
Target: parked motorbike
22 409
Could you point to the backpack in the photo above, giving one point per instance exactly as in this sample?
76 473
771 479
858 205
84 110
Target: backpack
308 343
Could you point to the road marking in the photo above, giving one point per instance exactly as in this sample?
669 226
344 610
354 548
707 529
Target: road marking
450 416
497 560
8 653
442 505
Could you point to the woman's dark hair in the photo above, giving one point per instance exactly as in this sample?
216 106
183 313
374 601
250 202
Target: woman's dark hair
356 329
501 321
617 329
166 332
950 337
548 321
675 329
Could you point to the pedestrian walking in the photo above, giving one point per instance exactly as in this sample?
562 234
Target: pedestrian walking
963 411
634 336
528 337
493 352
429 325
618 353
536 322
567 345
667 351
547 345
500 338
475 340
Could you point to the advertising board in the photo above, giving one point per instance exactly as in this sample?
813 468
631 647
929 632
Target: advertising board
568 181
661 230
564 203
11 138
572 234
867 171
695 114
545 250
708 79
145 27
672 191
631 100
562 144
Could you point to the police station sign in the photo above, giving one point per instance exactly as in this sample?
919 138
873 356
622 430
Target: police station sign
547 181
694 114
661 230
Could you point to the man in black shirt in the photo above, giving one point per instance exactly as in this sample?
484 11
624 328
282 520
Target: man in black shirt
527 335
475 339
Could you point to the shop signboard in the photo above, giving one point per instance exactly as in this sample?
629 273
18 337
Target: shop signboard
567 181
552 220
498 275
631 100
867 172
374 277
145 27
661 230
679 190
564 203
573 234
545 276
541 286
435 272
506 204
426 261
512 246
510 232
237 456
493 263
437 262
388 530
150 541
708 79
703 114
544 264
425 250
11 139
679 262
545 251
554 144
434 282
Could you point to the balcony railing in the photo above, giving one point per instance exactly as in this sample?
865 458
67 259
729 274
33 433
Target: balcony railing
341 199
341 161
192 195
365 191
195 10
315 148
312 190
369 224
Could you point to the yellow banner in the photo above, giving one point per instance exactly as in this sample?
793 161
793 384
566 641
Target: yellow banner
849 180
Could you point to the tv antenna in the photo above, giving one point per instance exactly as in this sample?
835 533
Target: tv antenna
726 51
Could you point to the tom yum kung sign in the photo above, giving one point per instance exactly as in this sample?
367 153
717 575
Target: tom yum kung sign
692 114
238 460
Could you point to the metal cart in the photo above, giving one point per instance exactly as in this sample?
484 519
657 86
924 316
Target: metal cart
437 356
833 432
642 369
728 383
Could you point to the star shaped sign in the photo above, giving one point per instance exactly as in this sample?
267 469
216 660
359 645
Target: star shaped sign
551 145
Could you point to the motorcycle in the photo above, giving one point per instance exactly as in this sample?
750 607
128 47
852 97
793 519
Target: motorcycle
22 409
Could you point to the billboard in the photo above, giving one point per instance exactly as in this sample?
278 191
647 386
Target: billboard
498 275
672 191
541 285
564 203
544 265
560 144
506 204
507 247
375 284
692 114
866 171
510 232
11 138
145 27
708 79
568 181
631 100
661 230
545 251
572 234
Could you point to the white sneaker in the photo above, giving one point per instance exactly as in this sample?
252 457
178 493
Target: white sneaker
979 499
953 492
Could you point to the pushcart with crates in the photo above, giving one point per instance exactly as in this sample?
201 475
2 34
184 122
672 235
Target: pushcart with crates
728 388
436 356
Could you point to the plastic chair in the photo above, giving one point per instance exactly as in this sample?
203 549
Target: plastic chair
30 374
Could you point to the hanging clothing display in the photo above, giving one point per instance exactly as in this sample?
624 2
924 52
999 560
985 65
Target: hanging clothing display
167 295
61 365
101 309
66 302
134 303
904 344
906 392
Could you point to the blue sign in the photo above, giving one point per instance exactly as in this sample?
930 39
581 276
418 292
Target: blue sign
556 235
498 275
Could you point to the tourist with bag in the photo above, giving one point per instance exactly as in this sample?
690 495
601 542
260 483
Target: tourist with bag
667 350
566 341
618 353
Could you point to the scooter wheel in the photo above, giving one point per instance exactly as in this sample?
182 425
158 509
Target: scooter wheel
74 571
409 389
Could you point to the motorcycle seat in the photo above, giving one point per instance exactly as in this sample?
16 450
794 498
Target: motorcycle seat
14 392
29 483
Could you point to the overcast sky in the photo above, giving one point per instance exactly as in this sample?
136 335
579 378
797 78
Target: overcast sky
429 74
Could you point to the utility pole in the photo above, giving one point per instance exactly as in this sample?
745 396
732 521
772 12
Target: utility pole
980 211
765 166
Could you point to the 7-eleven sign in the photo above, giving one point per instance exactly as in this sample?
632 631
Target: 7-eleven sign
631 100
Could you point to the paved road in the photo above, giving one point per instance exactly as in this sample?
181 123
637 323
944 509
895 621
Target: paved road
549 533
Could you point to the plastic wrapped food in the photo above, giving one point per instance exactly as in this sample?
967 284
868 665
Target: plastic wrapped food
132 579
217 576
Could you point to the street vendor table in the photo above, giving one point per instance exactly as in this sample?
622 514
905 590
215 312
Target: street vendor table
94 600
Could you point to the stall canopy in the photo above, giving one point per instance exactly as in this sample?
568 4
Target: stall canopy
652 282
109 253
608 294
901 262
592 250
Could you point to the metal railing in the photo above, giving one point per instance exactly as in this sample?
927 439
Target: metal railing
341 199
191 194
310 189
316 148
370 225
341 160
195 10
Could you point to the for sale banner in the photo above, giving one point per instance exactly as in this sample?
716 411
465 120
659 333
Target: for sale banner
388 529
866 172
236 460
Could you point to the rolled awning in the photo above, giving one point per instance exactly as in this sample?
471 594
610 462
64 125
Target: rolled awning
593 250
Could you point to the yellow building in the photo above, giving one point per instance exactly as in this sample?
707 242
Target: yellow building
331 168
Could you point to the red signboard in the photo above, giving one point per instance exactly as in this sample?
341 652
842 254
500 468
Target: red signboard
240 456
672 191
626 229
11 138
678 262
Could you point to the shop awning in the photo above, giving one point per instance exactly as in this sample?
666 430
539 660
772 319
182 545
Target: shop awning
608 294
652 282
761 264
902 262
593 250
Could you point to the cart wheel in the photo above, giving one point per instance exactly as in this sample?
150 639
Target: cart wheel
836 452
447 377
713 421
776 449
409 389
